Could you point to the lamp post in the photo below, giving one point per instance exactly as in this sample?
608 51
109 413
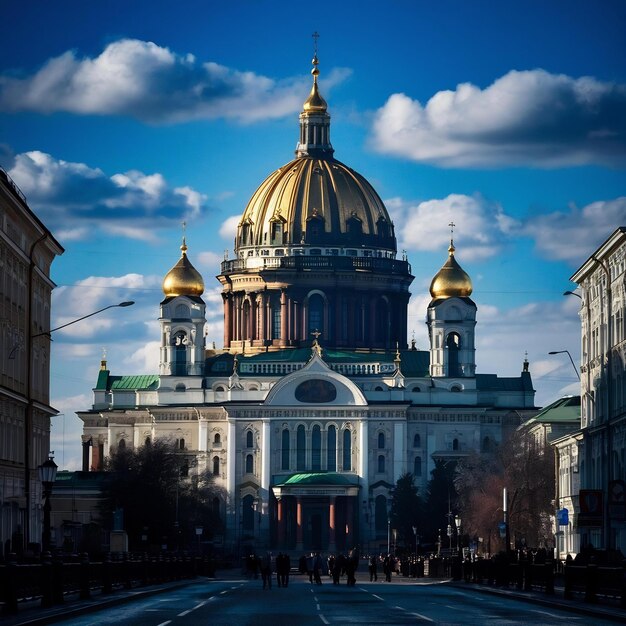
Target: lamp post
47 475
199 530
28 346
388 526
256 508
415 533
570 358
457 523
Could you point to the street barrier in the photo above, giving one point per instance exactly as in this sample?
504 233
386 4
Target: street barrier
52 579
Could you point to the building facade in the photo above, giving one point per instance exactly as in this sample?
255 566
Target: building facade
316 405
601 440
27 250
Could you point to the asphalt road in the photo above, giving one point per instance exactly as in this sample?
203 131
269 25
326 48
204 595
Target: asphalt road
244 603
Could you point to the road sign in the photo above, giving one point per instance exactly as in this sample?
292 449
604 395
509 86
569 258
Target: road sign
591 508
562 517
502 529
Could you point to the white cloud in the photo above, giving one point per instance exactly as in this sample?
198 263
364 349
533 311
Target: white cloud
228 229
574 234
153 84
130 204
210 260
480 225
531 118
145 359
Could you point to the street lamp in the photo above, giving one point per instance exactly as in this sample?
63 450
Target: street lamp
47 475
572 293
256 508
457 523
570 358
28 420
388 526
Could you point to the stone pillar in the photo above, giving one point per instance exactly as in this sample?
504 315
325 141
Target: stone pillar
350 537
227 319
283 319
280 513
332 540
261 323
299 527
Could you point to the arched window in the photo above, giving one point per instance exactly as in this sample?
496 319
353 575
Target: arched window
347 450
455 444
453 343
216 466
316 449
417 441
381 463
179 366
285 450
380 516
181 444
417 467
249 464
247 513
331 452
147 441
249 441
300 448
217 440
121 444
316 313
381 440
219 388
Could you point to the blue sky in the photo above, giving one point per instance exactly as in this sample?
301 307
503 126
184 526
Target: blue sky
119 120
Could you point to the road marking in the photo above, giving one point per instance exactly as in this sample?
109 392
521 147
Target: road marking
223 592
422 617
199 605
184 613
169 621
553 615
318 607
378 597
324 620
401 608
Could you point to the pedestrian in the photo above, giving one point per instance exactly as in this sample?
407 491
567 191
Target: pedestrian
286 570
331 566
266 570
310 559
373 569
387 567
317 568
279 569
340 563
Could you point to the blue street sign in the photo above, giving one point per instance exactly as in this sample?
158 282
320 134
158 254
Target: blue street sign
562 517
502 529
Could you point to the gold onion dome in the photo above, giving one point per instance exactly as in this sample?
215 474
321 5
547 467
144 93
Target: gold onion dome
451 281
183 279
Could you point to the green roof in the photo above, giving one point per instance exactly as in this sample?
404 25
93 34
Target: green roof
141 381
564 410
317 478
414 363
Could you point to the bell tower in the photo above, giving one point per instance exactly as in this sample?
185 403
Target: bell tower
183 317
451 321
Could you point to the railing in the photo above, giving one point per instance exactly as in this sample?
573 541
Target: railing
13 185
53 579
307 263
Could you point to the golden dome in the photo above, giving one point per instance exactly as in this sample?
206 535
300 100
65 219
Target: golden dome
316 201
315 103
183 279
451 281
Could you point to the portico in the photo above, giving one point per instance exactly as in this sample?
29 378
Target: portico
316 511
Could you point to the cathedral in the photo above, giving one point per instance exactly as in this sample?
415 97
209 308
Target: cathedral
316 404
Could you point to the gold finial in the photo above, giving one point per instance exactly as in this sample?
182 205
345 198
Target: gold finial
451 248
398 357
316 345
315 103
184 246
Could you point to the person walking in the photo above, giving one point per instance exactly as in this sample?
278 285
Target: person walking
317 568
373 568
266 570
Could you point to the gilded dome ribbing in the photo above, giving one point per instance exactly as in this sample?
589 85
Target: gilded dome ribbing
183 279
451 281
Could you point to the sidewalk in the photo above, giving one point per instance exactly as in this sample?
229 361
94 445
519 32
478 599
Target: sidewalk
607 609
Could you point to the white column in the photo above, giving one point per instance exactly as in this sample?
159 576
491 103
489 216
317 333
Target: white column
364 450
232 516
399 450
202 433
265 458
